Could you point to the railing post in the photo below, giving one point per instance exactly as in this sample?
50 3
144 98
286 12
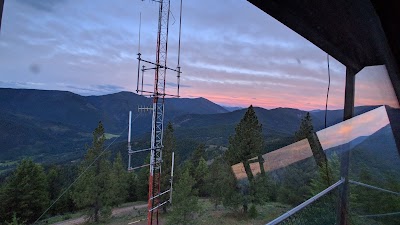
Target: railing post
345 155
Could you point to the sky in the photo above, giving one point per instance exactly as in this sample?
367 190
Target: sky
232 53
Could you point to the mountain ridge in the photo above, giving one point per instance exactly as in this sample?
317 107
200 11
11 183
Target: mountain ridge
60 121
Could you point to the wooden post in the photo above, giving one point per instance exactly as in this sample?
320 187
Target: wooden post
345 156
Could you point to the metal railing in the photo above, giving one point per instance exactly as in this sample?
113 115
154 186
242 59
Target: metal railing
319 209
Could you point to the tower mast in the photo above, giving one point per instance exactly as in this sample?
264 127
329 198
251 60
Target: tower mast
158 96
158 110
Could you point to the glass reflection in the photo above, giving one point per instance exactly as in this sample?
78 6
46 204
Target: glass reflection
277 159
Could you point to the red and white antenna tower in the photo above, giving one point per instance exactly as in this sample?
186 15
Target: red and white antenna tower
158 94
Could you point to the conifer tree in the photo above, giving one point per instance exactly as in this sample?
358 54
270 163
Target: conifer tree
306 128
55 188
120 181
132 186
25 194
199 152
306 131
93 191
247 142
222 185
185 201
200 175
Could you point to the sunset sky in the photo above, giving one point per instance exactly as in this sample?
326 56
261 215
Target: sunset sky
232 53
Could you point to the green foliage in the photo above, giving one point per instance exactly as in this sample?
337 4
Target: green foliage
321 182
199 152
120 181
15 221
248 139
200 174
306 128
57 178
294 186
262 189
247 143
218 181
132 186
94 190
185 201
253 212
25 193
142 185
366 201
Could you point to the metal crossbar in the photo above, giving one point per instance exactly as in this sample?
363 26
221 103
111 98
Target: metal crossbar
158 206
373 187
303 205
160 194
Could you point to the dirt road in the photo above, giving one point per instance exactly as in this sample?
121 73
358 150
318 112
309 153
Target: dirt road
115 212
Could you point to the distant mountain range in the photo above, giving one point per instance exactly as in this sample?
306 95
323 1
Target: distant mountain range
41 124
376 153
232 108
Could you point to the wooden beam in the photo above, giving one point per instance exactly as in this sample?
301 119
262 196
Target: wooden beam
345 156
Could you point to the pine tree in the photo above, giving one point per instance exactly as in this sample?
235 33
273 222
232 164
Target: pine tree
199 152
57 182
222 185
200 175
120 181
306 131
132 186
93 190
306 128
185 201
261 189
247 142
25 193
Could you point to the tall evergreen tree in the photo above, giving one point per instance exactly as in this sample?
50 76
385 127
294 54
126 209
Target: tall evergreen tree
120 181
306 128
306 131
199 152
57 182
132 185
222 185
93 190
200 175
185 201
247 142
25 193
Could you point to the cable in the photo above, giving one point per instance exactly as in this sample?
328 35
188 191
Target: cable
380 215
80 175
140 28
327 93
373 187
179 46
